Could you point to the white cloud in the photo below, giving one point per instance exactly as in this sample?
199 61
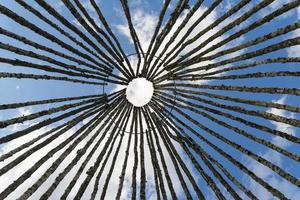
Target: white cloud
21 112
24 111
144 23
281 126
139 91
18 170
267 174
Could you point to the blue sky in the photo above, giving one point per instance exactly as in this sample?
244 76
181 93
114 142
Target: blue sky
144 14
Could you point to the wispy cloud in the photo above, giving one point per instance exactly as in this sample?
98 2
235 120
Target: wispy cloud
267 174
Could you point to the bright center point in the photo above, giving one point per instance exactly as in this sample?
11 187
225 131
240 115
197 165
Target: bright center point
139 92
